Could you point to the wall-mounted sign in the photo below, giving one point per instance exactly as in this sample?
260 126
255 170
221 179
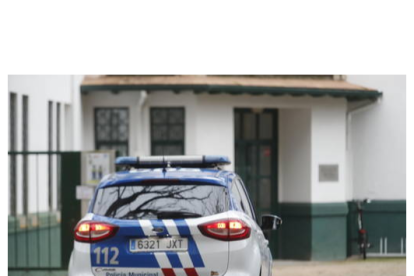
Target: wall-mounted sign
84 192
95 165
329 173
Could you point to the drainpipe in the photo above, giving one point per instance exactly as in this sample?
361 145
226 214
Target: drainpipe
360 107
364 105
141 105
352 110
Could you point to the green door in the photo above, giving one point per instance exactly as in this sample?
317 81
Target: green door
256 159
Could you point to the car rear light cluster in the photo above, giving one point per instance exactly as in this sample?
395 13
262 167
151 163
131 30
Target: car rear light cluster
226 230
94 231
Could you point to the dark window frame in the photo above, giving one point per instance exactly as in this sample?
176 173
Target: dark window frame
13 158
167 142
241 145
110 143
99 194
58 126
25 147
245 197
50 126
50 158
236 194
12 121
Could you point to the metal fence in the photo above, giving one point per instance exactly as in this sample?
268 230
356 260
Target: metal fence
39 223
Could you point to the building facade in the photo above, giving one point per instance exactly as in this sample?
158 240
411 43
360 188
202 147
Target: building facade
306 146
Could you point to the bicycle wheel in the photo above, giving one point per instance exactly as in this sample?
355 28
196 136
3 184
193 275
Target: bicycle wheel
364 251
363 243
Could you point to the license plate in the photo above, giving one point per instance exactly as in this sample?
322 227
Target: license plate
158 244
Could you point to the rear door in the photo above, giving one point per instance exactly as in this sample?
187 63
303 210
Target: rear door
258 234
158 230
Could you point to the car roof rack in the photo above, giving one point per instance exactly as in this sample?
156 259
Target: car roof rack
182 161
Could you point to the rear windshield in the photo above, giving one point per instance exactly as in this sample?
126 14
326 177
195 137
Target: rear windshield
160 201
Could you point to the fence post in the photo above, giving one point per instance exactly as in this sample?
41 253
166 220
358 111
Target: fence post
70 214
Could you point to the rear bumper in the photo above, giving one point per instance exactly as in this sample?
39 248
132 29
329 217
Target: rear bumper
81 274
239 273
80 260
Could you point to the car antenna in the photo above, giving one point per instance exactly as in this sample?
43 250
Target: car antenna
164 165
164 169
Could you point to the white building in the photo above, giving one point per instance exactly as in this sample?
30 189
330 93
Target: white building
306 146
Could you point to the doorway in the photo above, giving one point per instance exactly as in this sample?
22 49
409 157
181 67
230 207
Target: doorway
256 140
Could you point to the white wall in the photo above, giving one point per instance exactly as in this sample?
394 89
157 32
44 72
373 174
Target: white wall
90 101
377 140
40 90
169 99
309 138
329 148
312 133
295 155
316 125
75 141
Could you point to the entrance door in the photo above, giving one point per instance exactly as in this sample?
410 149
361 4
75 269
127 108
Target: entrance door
256 158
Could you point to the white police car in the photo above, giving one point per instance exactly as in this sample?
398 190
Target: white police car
172 215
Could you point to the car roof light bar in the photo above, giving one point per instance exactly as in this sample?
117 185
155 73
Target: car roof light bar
197 161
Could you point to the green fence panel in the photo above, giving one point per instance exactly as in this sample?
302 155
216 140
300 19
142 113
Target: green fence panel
40 242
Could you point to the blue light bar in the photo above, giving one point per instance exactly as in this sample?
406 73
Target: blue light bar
199 161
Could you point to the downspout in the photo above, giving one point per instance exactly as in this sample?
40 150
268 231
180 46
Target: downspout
143 99
350 111
361 107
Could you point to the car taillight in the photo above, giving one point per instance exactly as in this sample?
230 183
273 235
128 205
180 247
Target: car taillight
226 230
94 231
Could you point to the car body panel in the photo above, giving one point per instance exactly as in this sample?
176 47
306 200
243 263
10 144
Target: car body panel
134 177
205 255
202 251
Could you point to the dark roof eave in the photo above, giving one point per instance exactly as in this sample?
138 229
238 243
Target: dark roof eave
351 95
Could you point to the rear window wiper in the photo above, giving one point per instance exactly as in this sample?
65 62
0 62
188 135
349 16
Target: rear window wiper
177 214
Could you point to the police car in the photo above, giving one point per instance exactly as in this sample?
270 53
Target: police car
172 215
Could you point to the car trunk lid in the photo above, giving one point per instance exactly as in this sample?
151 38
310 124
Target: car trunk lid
202 256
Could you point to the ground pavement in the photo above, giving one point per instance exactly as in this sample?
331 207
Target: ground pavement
350 267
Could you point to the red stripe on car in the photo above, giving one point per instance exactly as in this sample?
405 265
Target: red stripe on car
190 271
168 272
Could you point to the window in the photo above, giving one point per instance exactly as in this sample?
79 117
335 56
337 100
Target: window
50 158
112 129
50 126
58 126
245 203
57 187
167 131
12 147
161 201
25 122
236 196
25 147
12 121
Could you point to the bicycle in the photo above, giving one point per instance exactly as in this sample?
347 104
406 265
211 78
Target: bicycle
362 232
